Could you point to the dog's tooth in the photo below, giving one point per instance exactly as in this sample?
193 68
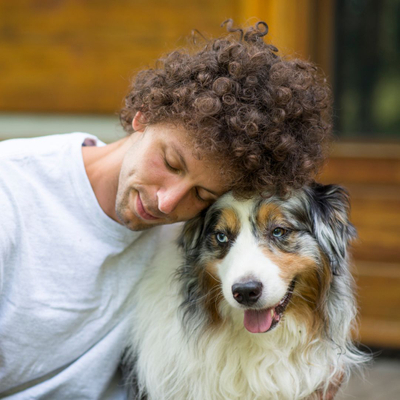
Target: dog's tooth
272 313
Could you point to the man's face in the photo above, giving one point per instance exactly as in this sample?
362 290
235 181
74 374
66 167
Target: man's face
161 182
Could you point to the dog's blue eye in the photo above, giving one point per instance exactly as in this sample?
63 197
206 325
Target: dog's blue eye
278 232
221 237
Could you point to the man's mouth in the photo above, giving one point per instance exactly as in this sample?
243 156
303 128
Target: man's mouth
261 321
143 213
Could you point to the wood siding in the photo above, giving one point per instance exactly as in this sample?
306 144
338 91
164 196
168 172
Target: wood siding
371 173
79 56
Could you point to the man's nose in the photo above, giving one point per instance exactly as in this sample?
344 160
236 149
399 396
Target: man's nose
170 197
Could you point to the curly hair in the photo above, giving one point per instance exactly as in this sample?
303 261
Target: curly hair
266 117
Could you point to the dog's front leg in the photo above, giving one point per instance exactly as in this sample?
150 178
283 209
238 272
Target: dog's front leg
333 388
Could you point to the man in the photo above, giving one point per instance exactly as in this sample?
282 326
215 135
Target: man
74 235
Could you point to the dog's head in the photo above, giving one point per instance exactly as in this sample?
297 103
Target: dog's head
267 256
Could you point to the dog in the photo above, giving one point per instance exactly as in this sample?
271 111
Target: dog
252 299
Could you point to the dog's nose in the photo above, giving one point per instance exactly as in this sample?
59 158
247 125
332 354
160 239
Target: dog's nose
247 293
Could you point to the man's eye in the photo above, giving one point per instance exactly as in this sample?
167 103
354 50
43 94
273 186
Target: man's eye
170 167
279 232
221 237
198 197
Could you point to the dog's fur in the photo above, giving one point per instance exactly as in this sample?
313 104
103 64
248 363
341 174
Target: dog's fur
191 326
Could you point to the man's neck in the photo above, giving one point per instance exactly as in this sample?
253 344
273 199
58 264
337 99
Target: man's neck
103 165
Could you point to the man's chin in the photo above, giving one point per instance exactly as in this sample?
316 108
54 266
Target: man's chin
134 223
139 227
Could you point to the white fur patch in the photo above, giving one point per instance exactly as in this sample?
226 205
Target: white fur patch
246 261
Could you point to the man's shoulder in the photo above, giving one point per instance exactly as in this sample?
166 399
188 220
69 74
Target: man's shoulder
30 168
42 145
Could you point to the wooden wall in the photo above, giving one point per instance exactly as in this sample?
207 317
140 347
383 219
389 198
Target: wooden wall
371 173
77 56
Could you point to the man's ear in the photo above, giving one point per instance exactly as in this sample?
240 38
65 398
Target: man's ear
138 123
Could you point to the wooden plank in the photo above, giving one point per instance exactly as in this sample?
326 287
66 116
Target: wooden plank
379 269
375 332
378 227
362 170
365 149
379 303
379 294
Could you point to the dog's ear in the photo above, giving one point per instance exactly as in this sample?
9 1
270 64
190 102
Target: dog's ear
191 232
329 207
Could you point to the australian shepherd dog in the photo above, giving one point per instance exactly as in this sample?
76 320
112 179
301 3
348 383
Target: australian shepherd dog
252 299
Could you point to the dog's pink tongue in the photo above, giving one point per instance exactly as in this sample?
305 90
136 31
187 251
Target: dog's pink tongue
257 321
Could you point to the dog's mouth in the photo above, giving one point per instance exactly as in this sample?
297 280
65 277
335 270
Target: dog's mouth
261 321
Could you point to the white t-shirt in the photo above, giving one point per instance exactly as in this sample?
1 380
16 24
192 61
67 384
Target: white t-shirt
66 273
